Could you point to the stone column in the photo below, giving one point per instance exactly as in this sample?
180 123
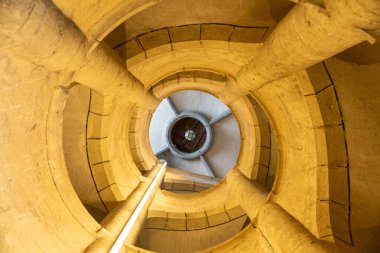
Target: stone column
363 14
105 72
37 32
286 234
251 195
308 34
280 229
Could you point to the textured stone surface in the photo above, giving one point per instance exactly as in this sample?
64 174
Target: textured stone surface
325 120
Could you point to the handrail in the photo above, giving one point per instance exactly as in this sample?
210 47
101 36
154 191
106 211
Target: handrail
131 222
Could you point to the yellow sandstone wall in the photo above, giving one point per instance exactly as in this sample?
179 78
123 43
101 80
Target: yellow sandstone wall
74 114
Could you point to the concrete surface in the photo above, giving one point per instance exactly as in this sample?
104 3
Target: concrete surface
224 150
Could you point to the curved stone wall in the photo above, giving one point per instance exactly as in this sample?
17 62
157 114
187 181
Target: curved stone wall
320 125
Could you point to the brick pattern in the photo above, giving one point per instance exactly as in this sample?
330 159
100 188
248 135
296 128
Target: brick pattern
333 164
97 153
149 44
266 151
138 139
98 123
179 185
158 219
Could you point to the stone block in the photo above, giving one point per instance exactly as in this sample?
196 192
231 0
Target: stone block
234 211
262 174
323 220
176 221
319 79
156 219
186 45
248 34
133 48
135 155
97 126
196 221
168 184
103 175
217 216
216 32
264 155
97 150
336 148
339 217
183 185
323 183
187 76
185 33
121 51
338 184
133 141
209 76
132 61
329 107
111 196
330 146
199 186
252 173
314 110
169 80
117 36
324 108
264 134
215 44
97 103
142 166
270 182
107 105
158 50
154 39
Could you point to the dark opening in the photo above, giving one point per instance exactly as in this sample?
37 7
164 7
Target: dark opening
188 135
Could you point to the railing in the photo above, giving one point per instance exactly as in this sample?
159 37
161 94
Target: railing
137 212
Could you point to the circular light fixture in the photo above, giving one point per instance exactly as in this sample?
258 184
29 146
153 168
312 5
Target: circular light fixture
189 135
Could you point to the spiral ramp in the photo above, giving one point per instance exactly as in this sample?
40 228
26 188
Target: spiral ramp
189 126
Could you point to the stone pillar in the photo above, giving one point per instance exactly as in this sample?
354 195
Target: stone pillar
363 14
280 229
106 72
286 234
251 195
232 92
307 35
37 32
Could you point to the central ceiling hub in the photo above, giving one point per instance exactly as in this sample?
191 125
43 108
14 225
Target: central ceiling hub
189 135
